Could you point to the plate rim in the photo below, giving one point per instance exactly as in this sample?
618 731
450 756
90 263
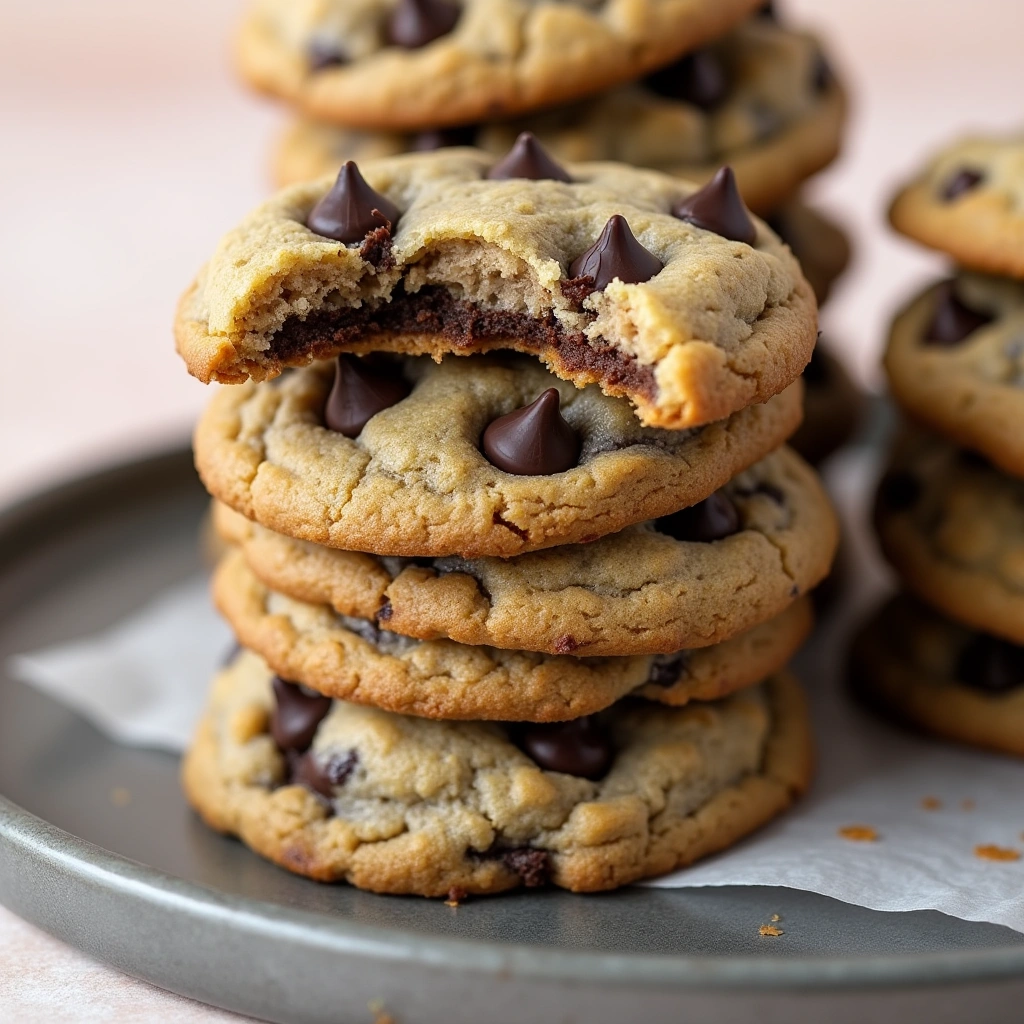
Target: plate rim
27 838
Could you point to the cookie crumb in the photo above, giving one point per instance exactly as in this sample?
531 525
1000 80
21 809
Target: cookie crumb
931 803
120 797
859 833
775 918
380 1015
456 894
989 851
770 930
967 805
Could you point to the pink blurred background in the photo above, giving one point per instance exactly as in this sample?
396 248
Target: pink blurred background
128 149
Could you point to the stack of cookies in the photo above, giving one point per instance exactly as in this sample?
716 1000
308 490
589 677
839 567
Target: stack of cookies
948 655
680 86
516 560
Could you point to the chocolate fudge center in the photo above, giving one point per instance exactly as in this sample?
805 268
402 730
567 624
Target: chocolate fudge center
463 325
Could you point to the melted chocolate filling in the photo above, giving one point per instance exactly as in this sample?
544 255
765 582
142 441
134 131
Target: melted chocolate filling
463 325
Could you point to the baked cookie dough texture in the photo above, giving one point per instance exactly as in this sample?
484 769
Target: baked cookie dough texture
950 507
428 63
724 324
770 107
508 532
441 808
968 202
415 483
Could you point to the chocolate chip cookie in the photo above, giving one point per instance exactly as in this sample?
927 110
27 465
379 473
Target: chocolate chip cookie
969 202
423 477
630 279
932 673
953 526
686 580
423 63
833 406
355 659
955 361
762 99
336 791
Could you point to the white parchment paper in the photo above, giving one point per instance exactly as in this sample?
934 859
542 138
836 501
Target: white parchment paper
929 803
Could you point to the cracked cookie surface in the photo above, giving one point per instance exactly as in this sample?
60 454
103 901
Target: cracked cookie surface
640 591
355 659
429 807
932 673
415 483
971 390
953 527
968 202
776 118
335 60
476 264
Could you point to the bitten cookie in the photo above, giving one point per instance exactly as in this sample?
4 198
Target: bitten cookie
425 63
354 659
833 406
969 202
762 99
625 278
690 579
953 527
335 791
955 361
414 479
929 672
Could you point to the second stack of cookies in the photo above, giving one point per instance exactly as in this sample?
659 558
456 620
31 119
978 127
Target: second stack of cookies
947 655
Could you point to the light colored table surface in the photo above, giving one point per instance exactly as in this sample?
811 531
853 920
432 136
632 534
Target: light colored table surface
128 149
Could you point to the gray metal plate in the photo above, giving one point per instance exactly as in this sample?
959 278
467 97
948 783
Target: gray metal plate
148 888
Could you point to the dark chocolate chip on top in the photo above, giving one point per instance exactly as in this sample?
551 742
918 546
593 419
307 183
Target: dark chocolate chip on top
719 207
615 254
352 209
534 440
362 388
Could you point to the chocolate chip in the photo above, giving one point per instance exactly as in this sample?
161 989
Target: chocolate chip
899 490
719 207
532 866
616 254
414 23
386 610
528 159
668 671
699 78
297 713
991 665
767 10
714 518
443 138
351 209
963 181
952 321
822 75
322 53
580 747
361 389
306 770
534 440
